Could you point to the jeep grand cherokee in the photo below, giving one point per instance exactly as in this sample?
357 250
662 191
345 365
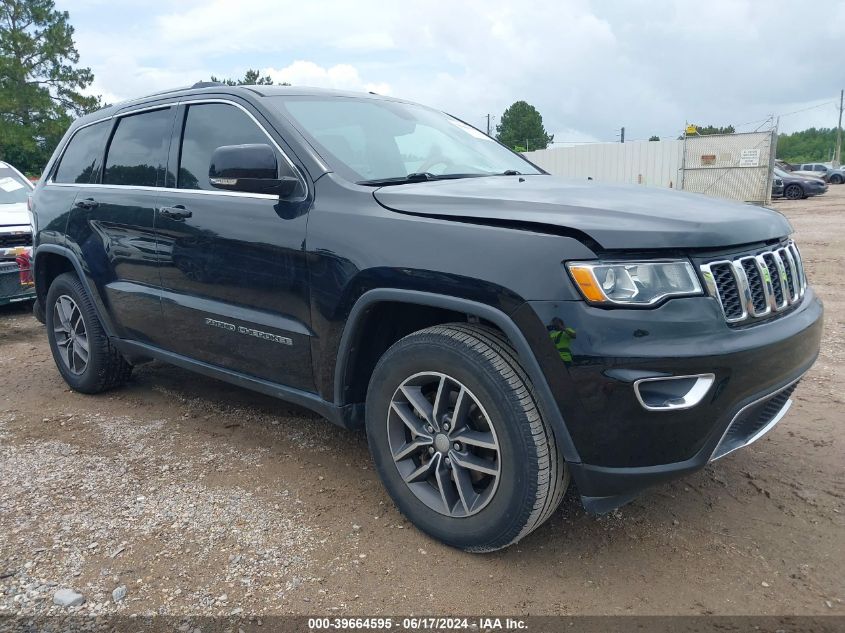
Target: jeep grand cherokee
497 330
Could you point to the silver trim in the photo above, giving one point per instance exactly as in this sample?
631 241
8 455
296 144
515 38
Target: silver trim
694 396
162 106
784 257
768 427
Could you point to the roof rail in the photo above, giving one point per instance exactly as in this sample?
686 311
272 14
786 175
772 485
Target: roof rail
207 84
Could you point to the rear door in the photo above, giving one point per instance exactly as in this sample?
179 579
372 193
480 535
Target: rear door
235 283
112 224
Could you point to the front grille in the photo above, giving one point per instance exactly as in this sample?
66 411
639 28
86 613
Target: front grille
751 423
10 240
756 286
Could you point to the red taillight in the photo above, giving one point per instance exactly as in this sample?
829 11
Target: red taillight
24 261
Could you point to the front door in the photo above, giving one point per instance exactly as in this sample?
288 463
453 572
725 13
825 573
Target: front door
234 281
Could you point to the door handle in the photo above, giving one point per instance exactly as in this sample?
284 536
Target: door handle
87 203
177 212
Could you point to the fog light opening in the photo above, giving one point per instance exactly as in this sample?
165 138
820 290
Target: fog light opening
673 393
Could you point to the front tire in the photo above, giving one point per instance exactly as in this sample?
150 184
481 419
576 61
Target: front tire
458 439
84 356
836 179
793 192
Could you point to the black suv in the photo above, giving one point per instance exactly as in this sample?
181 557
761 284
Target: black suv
497 330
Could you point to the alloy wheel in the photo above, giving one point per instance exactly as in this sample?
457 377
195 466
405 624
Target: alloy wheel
793 192
71 336
444 444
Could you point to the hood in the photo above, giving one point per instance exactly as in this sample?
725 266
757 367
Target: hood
14 215
615 216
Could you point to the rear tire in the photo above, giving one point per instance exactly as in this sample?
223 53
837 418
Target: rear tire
84 356
500 475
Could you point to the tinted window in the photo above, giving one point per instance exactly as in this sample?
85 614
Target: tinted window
138 151
207 127
81 160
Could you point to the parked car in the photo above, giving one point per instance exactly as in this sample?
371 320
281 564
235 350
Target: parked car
796 187
833 175
16 282
813 169
495 329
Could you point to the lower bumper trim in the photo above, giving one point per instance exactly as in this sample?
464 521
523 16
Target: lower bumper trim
754 420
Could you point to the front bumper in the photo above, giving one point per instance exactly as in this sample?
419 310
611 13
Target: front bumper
592 357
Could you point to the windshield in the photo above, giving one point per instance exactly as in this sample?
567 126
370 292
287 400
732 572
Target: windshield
13 188
372 140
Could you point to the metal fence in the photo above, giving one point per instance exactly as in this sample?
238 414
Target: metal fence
650 163
735 166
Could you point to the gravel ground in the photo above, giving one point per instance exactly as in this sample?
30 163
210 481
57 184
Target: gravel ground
187 496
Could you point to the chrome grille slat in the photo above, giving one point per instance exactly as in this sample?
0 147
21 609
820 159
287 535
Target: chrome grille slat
752 287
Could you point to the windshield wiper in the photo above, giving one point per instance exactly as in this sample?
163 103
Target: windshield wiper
511 172
422 176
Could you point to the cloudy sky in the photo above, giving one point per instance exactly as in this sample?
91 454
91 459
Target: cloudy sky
589 67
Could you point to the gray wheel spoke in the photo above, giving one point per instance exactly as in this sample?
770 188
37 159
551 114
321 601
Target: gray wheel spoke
463 483
420 403
473 462
448 492
462 405
411 447
81 352
71 358
476 438
82 342
441 401
66 310
423 472
414 424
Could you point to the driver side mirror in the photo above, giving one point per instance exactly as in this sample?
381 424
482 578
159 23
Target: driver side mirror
249 168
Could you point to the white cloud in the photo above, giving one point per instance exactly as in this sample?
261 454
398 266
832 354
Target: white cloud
339 76
589 67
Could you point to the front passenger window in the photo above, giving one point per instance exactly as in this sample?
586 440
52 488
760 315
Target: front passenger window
207 127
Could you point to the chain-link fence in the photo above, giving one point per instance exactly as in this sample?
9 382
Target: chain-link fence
735 166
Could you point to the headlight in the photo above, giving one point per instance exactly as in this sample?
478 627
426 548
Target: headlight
634 283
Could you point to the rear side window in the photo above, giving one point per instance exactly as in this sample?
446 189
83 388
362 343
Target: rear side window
81 161
138 150
207 127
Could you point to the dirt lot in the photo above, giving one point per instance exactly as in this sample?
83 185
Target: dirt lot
201 498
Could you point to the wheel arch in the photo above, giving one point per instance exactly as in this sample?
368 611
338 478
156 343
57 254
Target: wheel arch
362 313
52 260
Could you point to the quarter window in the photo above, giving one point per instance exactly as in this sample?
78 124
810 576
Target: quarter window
138 151
83 157
207 127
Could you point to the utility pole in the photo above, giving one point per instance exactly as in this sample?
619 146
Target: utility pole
622 135
488 125
838 156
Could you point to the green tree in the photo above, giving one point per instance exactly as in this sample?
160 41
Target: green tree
704 130
40 83
807 146
521 128
251 78
654 138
